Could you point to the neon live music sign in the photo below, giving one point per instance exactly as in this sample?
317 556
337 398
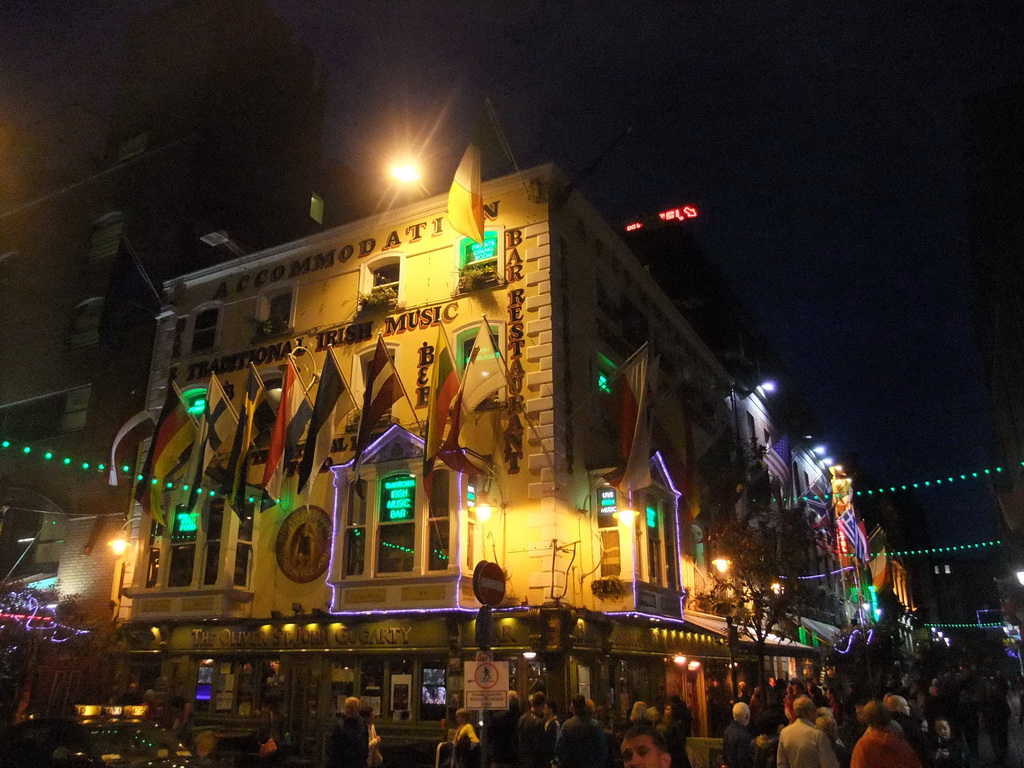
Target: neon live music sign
672 214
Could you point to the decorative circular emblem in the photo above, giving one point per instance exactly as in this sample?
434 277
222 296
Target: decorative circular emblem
304 544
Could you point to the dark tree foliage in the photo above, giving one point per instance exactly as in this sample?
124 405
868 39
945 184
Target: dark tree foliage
767 552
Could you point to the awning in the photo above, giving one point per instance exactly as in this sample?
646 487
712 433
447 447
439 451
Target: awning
826 632
718 625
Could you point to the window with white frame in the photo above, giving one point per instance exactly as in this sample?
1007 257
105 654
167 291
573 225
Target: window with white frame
657 527
85 323
205 324
392 521
381 278
275 313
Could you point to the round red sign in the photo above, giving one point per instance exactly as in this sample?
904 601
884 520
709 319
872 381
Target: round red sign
489 583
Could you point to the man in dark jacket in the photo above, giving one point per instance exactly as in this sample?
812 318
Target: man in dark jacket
581 743
530 731
350 738
736 740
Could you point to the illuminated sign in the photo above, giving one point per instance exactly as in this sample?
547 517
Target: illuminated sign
634 225
687 212
652 517
186 525
397 498
472 252
607 501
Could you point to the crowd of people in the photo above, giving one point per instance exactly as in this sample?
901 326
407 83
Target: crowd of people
908 724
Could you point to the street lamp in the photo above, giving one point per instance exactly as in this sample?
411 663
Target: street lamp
406 173
721 564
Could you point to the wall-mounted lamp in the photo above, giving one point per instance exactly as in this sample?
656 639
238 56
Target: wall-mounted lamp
625 516
118 545
721 564
529 655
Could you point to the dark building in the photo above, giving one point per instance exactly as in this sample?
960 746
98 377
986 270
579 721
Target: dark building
995 144
213 148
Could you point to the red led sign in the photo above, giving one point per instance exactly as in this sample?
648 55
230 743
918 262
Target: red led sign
687 212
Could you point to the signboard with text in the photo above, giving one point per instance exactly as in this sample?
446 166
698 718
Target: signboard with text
486 684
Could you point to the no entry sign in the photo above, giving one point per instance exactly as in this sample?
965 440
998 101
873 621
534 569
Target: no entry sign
489 583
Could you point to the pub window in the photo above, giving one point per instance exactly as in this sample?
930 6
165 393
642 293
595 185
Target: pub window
214 532
85 323
481 255
105 239
396 523
433 691
654 529
243 548
76 407
382 275
355 531
204 329
184 531
371 684
156 537
438 522
466 340
275 312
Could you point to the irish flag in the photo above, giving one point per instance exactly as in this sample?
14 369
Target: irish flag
465 199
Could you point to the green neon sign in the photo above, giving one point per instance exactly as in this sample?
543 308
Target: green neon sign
398 499
471 252
652 517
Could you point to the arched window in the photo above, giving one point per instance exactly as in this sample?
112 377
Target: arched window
205 327
85 323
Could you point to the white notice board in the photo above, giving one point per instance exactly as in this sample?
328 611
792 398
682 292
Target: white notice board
486 685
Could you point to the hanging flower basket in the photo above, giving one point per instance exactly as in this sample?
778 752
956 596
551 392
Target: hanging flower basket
377 300
476 276
267 327
610 588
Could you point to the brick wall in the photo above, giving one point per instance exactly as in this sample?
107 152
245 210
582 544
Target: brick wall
89 576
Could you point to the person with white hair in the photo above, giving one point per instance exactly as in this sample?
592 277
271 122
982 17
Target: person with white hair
801 745
914 730
736 752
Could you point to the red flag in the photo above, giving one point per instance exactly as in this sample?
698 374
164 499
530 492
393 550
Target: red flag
633 401
293 414
383 389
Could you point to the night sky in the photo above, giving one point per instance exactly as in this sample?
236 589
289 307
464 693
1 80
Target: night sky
823 144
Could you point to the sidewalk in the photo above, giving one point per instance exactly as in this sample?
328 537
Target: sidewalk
1015 755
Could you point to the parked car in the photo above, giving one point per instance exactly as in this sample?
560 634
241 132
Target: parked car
52 742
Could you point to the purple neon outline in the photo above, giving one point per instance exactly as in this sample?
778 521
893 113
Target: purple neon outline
679 544
337 469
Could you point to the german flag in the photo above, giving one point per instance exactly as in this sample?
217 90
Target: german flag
174 435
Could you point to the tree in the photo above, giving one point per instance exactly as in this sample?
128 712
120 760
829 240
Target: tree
760 588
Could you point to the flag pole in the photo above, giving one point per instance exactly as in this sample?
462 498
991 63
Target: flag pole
419 424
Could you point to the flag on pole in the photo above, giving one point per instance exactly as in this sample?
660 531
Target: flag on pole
880 571
216 429
465 198
383 389
444 387
333 398
633 401
816 497
174 434
233 485
484 375
293 414
863 548
141 417
778 458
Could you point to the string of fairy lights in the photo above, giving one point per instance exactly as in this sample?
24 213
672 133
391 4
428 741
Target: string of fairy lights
126 472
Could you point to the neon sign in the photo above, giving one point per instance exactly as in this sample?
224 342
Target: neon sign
686 212
397 499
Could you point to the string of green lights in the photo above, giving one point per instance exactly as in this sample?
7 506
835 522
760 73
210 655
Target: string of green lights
967 625
939 550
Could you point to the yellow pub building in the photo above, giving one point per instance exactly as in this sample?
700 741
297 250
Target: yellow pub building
337 593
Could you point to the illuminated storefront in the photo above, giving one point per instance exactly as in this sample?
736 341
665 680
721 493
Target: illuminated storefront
363 586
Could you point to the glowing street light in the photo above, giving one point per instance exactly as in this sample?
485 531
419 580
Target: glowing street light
721 564
118 546
406 173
